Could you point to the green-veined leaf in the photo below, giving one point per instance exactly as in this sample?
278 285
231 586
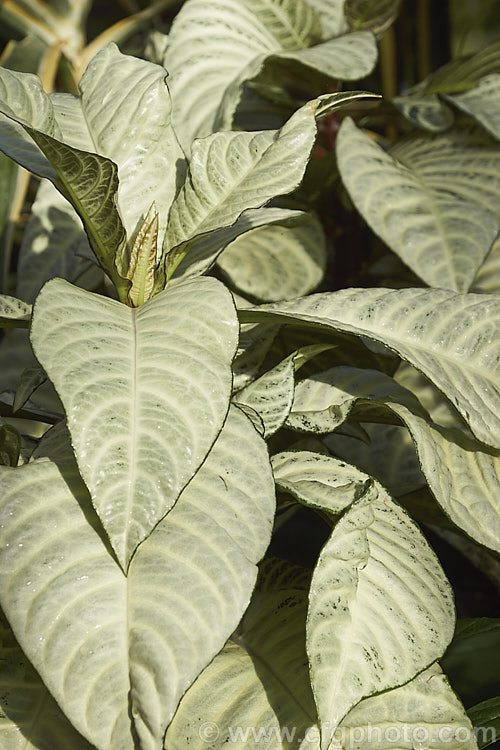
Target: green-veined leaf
433 200
452 338
141 416
380 608
277 261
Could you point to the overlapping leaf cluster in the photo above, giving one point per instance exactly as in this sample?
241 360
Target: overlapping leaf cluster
178 375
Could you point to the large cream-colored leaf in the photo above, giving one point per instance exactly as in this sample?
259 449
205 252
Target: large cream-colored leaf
64 596
194 576
380 608
145 392
257 692
30 134
452 338
432 199
277 261
23 100
126 106
213 50
258 684
54 244
423 713
30 719
488 276
92 633
209 46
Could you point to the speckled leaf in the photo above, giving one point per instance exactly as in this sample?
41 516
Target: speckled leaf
266 662
452 338
142 416
318 480
323 401
380 608
278 261
433 200
14 313
231 172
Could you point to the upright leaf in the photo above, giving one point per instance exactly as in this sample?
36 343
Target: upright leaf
142 417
